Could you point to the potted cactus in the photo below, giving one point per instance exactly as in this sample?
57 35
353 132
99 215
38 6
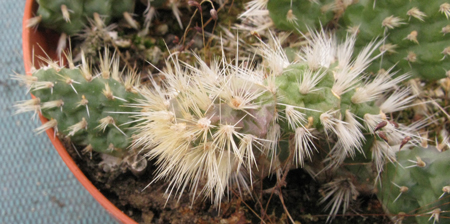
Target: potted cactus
214 128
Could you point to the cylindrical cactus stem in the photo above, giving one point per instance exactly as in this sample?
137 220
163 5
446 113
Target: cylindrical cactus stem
91 112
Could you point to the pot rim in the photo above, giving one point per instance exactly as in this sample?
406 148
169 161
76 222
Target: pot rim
28 43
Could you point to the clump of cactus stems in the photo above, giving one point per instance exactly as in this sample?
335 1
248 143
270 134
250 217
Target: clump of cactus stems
209 127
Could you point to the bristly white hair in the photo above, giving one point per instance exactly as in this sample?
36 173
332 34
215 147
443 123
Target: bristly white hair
338 192
254 8
348 74
274 55
294 117
303 146
321 51
353 128
376 88
257 24
372 120
382 152
309 81
329 122
397 101
350 140
273 136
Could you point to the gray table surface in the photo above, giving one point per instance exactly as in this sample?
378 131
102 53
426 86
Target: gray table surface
35 184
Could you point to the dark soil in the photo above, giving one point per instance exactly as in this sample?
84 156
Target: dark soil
301 196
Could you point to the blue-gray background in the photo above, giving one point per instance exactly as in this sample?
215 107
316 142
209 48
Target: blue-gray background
34 181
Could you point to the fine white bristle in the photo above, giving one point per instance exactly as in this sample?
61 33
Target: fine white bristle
174 4
105 64
329 122
28 105
275 56
254 6
65 13
372 120
349 73
309 80
52 123
374 90
397 101
339 192
304 146
381 153
321 51
445 9
52 104
294 118
77 127
129 19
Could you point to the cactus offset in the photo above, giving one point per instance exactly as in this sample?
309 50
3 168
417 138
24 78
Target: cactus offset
90 111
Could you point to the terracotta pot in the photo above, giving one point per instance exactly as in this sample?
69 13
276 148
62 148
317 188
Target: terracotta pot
41 41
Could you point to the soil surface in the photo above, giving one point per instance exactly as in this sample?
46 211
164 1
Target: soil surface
301 195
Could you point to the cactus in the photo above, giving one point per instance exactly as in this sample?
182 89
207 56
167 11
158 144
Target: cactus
416 189
70 17
414 32
208 124
300 14
90 111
